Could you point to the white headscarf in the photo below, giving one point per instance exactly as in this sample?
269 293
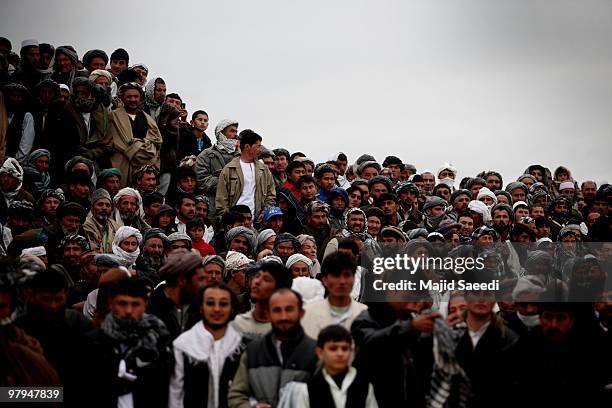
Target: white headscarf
485 192
298 258
223 143
127 191
122 234
482 209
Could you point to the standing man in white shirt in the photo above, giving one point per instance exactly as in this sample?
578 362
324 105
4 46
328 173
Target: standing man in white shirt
246 180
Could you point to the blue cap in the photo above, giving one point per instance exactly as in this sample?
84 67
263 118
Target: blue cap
272 212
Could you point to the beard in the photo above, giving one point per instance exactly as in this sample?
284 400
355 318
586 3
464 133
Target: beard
154 260
501 228
84 105
128 217
101 218
289 333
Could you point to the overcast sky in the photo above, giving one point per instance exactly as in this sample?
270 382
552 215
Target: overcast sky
483 84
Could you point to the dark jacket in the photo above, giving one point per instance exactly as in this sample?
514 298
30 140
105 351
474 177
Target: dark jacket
393 357
104 354
570 373
60 341
176 321
189 145
488 365
65 135
261 374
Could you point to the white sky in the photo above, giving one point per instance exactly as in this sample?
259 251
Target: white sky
484 84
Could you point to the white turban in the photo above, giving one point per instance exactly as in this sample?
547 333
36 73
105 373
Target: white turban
482 209
298 258
35 251
485 192
122 234
312 290
235 261
447 166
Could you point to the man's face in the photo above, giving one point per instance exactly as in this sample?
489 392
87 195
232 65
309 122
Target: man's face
285 249
467 226
231 132
428 181
374 225
555 325
72 254
275 224
299 269
239 244
537 173
355 222
395 171
480 304
71 223
475 189
200 122
186 209
261 286
202 210
52 305
389 207
521 212
280 163
369 173
63 62
153 246
568 193
213 272
461 203
131 99
342 164
588 190
127 207
118 66
216 307
18 225
339 287
317 219
377 189
269 161
96 63
128 307
173 102
543 231
112 185
493 183
50 205
197 281
178 244
354 200
148 182
308 191
518 194
31 57
285 313
46 95
537 211
101 210
142 74
79 190
435 210
444 193
501 218
8 182
296 173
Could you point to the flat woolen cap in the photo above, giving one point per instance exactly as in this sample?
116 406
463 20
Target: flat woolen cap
180 261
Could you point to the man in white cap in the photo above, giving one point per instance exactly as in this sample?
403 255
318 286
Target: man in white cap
27 72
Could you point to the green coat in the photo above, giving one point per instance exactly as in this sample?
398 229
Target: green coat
231 182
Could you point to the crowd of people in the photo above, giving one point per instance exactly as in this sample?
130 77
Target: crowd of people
144 263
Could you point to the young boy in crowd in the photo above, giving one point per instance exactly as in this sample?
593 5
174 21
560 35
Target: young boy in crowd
338 384
195 229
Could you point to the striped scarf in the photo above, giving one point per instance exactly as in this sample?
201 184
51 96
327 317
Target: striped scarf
446 370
